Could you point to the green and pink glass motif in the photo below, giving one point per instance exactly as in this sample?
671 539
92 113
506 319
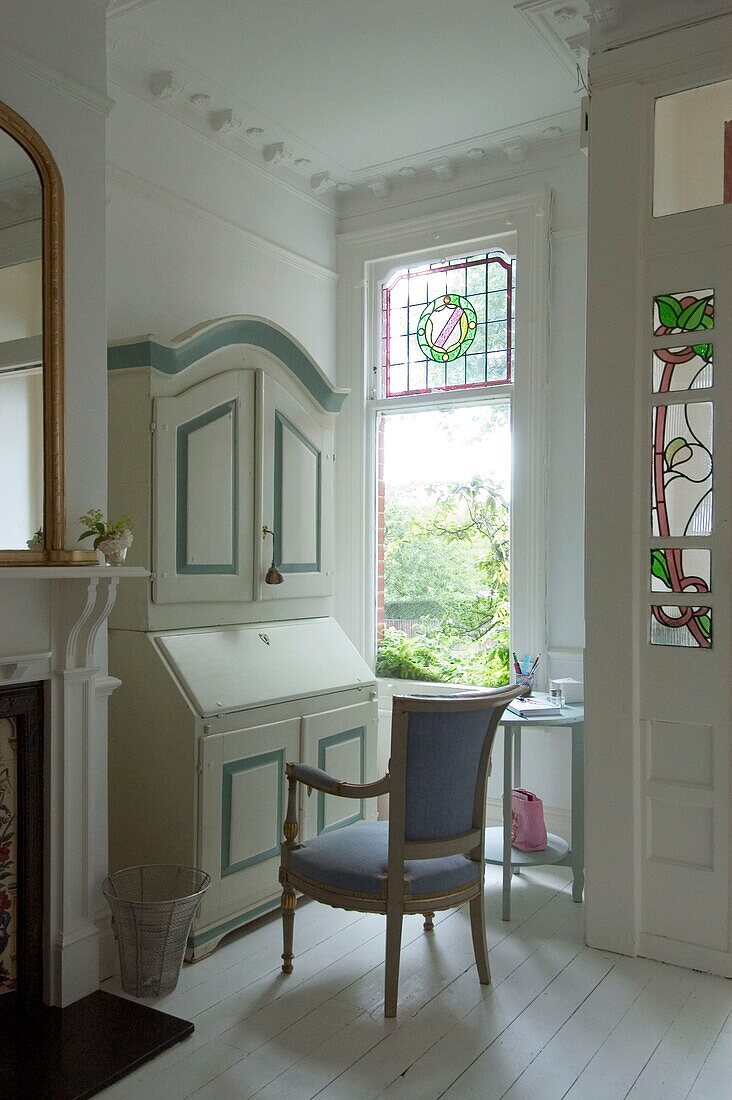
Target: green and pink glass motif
448 325
682 469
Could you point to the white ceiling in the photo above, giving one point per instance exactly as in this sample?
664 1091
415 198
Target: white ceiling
333 94
359 85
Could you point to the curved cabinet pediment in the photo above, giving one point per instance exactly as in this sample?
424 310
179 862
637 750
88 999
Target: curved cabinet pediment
198 343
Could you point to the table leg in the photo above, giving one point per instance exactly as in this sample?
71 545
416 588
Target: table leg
578 811
516 771
507 788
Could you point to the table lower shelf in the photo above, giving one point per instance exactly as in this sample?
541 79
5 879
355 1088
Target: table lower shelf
556 850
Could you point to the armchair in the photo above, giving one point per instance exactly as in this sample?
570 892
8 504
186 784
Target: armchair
429 854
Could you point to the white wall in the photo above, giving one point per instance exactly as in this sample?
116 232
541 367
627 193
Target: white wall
195 233
546 755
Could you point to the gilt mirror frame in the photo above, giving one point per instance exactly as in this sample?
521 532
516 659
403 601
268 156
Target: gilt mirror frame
52 284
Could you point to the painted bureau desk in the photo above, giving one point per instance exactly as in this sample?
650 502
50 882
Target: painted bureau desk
221 448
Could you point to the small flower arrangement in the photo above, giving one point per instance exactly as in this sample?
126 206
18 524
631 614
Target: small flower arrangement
112 538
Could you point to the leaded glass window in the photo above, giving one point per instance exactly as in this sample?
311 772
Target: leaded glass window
448 325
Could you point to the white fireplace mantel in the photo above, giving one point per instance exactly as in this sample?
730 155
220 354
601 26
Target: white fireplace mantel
81 599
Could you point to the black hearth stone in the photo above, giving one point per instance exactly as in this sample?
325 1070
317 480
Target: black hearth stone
75 1052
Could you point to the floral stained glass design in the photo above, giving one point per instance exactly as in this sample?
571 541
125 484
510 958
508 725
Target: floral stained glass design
682 470
681 626
681 570
447 328
8 872
448 325
692 311
685 368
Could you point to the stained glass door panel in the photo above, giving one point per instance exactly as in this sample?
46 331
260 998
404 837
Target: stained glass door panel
681 478
683 368
681 570
681 626
683 311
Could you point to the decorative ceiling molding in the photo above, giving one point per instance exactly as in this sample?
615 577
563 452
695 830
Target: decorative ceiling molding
194 100
556 23
82 93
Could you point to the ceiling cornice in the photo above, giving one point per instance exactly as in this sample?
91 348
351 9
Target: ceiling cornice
193 100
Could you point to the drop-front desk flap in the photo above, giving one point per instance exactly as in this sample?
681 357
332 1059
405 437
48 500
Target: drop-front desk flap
234 668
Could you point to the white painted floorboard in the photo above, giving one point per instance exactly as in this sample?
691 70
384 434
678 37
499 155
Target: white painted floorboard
559 1019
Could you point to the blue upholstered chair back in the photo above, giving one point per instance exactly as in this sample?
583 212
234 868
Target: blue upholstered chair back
443 764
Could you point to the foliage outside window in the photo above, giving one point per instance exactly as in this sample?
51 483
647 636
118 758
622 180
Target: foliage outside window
443 477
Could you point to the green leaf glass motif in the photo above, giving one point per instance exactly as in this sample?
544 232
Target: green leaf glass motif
688 311
447 328
681 570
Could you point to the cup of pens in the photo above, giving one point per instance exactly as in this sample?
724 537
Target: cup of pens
524 671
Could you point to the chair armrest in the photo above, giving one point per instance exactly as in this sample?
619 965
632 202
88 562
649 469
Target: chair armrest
321 781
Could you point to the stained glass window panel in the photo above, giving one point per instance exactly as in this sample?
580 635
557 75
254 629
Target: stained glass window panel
674 569
686 311
448 325
681 478
685 368
681 626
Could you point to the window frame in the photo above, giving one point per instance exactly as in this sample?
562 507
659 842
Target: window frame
518 224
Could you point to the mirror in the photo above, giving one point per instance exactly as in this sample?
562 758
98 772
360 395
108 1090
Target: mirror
32 504
21 355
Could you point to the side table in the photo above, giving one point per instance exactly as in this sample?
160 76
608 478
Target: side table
498 847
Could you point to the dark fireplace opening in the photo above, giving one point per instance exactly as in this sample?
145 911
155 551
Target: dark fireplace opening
51 1053
21 847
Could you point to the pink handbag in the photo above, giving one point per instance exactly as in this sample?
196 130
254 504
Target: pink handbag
528 831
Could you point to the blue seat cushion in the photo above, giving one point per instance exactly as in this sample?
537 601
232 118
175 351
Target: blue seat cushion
353 861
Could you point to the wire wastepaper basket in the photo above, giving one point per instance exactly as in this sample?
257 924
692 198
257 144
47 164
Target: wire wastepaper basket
152 910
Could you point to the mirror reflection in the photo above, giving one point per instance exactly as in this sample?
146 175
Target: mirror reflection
21 367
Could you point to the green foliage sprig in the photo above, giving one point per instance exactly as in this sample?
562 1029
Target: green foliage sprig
100 529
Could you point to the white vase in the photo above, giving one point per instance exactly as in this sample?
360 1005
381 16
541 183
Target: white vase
115 550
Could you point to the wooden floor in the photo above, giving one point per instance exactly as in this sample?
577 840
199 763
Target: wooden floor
559 1020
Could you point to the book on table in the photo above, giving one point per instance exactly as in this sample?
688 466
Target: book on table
534 708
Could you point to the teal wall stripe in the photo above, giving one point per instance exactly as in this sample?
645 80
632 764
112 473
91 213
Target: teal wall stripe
282 423
230 770
323 745
173 360
182 565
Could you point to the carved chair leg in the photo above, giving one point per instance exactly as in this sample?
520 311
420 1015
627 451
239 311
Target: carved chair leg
393 948
428 925
287 906
480 943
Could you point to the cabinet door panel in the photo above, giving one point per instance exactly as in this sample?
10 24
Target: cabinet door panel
296 494
341 742
241 813
203 485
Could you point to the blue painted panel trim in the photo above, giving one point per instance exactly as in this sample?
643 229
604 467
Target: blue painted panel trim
237 330
182 565
281 422
230 770
323 745
233 922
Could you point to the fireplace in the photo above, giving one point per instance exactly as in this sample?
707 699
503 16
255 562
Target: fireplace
61 1037
21 845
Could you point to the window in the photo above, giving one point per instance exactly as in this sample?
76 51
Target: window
443 469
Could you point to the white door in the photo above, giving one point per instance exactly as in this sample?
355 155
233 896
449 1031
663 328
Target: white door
659 493
296 494
203 491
